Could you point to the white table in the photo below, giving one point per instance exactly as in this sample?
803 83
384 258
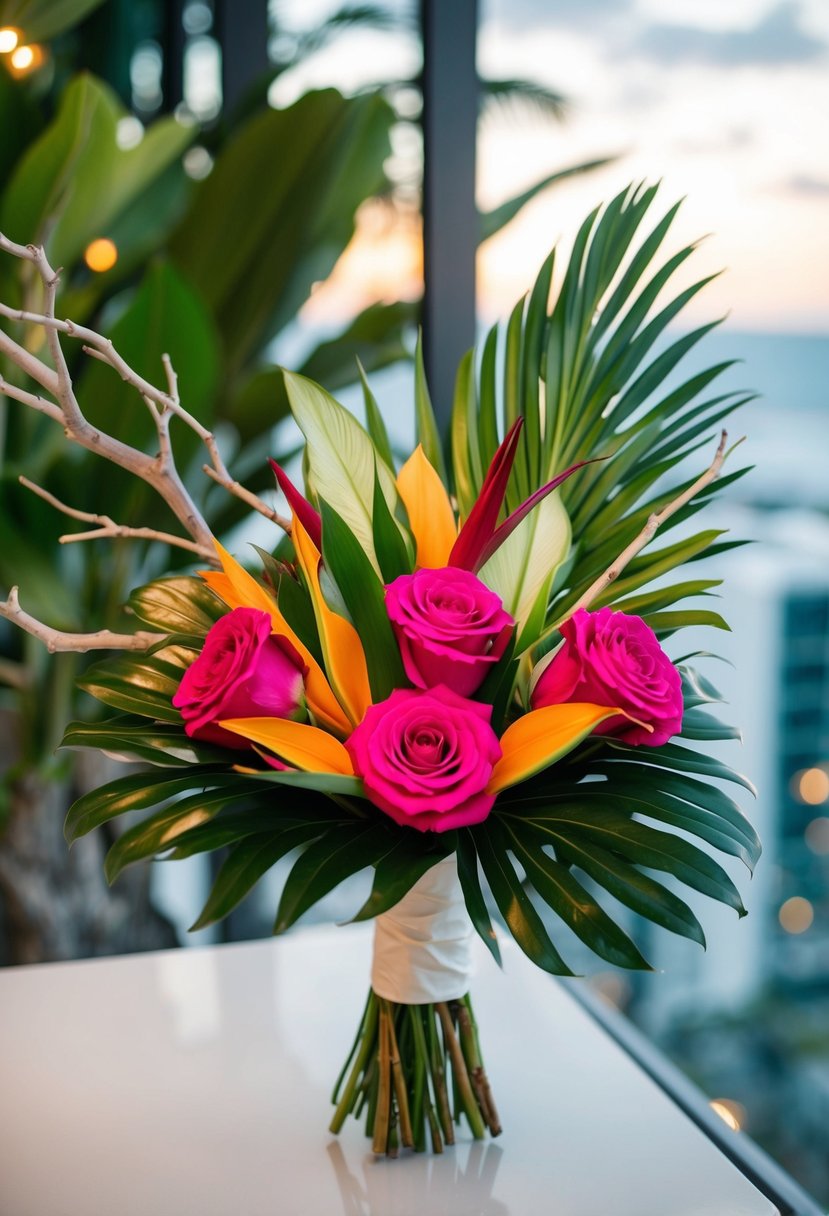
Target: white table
197 1081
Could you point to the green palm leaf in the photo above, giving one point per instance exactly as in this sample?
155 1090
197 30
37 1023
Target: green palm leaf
587 370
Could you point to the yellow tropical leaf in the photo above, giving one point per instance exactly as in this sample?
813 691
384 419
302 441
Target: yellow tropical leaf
542 736
239 589
345 659
306 747
427 504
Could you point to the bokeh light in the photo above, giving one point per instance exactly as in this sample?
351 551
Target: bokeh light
101 255
796 914
9 38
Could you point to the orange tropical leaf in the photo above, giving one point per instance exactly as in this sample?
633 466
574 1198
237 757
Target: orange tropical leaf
542 736
239 589
345 659
306 747
427 504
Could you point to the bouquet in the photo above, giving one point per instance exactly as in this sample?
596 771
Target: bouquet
454 672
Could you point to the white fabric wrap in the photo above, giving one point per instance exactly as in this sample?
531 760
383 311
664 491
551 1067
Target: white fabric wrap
423 945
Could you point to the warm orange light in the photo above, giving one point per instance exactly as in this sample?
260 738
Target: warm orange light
731 1112
101 255
812 786
796 914
25 59
817 835
9 38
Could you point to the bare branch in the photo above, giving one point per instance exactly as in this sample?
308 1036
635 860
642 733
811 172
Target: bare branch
32 399
649 531
239 491
57 640
160 472
107 527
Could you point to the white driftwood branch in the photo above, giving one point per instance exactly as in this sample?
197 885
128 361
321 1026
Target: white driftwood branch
162 405
649 531
56 639
106 527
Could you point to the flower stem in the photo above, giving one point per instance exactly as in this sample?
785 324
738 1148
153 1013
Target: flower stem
397 1073
382 1118
363 1055
460 1076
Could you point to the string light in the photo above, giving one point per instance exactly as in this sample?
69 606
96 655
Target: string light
25 59
9 38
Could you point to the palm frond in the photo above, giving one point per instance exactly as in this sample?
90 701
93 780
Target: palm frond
604 819
588 369
517 96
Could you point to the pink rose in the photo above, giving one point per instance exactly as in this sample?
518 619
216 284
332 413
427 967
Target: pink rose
610 658
426 758
451 628
243 671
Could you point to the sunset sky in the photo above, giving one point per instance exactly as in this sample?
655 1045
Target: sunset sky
727 104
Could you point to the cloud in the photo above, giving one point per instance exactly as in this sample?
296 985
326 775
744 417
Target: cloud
731 140
777 39
804 184
528 15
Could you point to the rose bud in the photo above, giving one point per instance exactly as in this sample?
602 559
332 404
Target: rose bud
450 627
610 658
243 671
426 758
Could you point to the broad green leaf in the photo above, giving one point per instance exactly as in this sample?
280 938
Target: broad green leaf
637 891
638 843
521 571
233 826
342 459
395 874
364 597
323 783
160 832
566 896
42 20
295 605
697 725
426 427
135 684
297 176
473 895
245 865
75 181
130 738
374 422
343 851
395 554
138 791
180 605
680 759
515 905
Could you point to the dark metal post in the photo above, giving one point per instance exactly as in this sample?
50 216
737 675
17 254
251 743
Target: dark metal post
450 217
242 32
172 72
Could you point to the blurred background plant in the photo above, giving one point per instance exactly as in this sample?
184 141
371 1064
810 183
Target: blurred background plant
194 209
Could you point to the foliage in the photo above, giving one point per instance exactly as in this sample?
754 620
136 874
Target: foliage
600 816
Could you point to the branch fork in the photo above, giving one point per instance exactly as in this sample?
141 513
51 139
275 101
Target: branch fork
61 405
